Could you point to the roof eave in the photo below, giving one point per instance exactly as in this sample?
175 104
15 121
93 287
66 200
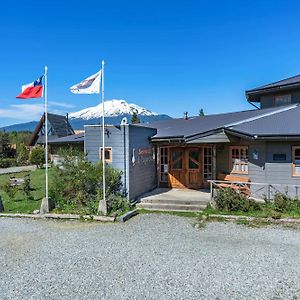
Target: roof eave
252 94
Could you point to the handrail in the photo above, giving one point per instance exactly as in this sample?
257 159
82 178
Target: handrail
258 192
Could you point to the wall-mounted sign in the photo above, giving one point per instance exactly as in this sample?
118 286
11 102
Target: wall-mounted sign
145 151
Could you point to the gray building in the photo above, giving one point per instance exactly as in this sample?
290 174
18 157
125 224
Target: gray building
261 145
128 149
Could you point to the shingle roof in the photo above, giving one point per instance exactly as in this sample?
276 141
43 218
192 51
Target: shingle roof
60 125
283 82
285 123
70 139
181 128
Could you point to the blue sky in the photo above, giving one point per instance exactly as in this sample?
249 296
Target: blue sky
168 56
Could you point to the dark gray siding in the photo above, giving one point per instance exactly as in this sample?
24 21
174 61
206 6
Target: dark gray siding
114 138
269 100
142 173
264 169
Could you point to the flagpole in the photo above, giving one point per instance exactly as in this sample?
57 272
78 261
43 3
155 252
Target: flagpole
103 140
46 128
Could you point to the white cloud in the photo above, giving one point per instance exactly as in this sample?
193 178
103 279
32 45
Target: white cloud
61 104
25 112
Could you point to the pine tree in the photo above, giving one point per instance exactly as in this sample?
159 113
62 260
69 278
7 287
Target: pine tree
201 112
135 119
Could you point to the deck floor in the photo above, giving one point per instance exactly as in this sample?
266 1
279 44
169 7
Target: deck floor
177 194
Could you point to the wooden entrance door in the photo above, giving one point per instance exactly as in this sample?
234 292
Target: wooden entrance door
177 176
185 167
194 167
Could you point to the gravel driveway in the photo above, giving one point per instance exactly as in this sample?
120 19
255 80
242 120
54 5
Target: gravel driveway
149 257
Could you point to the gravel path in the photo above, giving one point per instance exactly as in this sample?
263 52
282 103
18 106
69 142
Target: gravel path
16 169
149 257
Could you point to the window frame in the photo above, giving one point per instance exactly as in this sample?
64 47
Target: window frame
239 148
110 154
293 161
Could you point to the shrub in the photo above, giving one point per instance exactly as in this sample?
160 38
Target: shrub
77 183
283 203
37 157
9 190
26 187
7 162
118 202
230 200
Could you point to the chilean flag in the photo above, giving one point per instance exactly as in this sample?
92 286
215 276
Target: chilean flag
32 90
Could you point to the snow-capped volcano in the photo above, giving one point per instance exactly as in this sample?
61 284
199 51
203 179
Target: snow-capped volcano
112 108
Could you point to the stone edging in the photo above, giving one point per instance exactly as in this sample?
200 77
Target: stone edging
128 215
247 218
60 217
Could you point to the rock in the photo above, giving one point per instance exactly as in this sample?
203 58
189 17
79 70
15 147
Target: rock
36 212
1 205
47 205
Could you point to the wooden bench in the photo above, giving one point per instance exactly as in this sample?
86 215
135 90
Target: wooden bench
235 182
13 181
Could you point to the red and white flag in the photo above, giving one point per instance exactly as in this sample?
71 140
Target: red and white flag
32 90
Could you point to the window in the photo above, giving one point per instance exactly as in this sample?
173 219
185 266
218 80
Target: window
164 155
283 100
107 154
177 159
207 163
238 159
296 161
279 157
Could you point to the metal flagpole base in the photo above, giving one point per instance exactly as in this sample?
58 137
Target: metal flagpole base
102 207
47 205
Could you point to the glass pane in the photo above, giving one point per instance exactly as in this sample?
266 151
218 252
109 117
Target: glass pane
297 152
107 154
177 159
193 165
194 154
177 165
297 170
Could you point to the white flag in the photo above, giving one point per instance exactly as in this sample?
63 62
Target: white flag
90 85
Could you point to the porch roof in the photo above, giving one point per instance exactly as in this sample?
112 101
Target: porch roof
252 122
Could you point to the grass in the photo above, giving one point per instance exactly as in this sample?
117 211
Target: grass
20 204
266 212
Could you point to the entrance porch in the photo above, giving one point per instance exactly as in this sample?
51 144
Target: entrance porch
186 167
166 199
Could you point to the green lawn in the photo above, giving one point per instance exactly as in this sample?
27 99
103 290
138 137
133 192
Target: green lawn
20 204
267 211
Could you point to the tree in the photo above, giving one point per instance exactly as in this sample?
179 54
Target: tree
5 150
201 112
135 119
22 154
37 157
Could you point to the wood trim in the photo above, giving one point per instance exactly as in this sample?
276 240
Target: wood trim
230 159
293 161
106 149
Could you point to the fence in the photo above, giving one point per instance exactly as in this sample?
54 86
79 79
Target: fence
255 190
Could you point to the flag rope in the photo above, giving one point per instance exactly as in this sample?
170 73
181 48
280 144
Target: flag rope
103 141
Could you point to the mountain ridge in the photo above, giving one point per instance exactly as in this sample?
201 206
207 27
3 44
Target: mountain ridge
115 111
